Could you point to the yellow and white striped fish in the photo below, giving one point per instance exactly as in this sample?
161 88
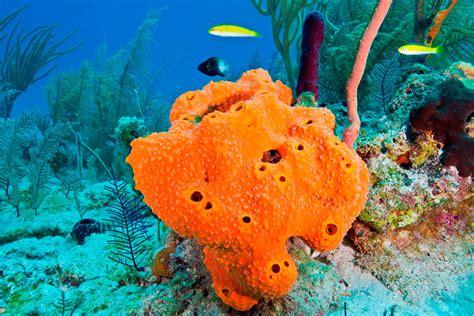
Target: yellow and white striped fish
227 30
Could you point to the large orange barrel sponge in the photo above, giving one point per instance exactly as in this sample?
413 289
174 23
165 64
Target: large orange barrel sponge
241 171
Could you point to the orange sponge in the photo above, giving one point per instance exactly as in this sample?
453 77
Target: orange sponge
241 171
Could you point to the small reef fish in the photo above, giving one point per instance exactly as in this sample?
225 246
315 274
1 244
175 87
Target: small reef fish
213 66
416 49
227 30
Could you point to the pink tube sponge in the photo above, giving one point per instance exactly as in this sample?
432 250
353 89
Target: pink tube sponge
352 132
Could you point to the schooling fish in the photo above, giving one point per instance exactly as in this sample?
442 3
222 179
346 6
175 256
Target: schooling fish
213 66
227 30
416 49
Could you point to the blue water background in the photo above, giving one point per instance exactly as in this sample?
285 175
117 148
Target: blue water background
181 37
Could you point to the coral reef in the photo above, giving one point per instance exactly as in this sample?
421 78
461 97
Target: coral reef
161 266
361 234
398 197
317 288
257 207
408 179
466 75
128 129
446 115
425 259
266 154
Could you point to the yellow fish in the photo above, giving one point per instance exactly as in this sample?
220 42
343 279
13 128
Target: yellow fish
416 49
227 30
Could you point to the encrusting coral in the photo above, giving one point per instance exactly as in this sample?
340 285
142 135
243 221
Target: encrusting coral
241 171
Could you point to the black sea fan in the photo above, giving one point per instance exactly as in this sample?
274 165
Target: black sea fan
384 78
127 227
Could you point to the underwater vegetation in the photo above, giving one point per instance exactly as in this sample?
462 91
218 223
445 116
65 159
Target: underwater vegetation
433 23
83 115
348 21
24 157
338 181
111 95
287 21
127 228
28 56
